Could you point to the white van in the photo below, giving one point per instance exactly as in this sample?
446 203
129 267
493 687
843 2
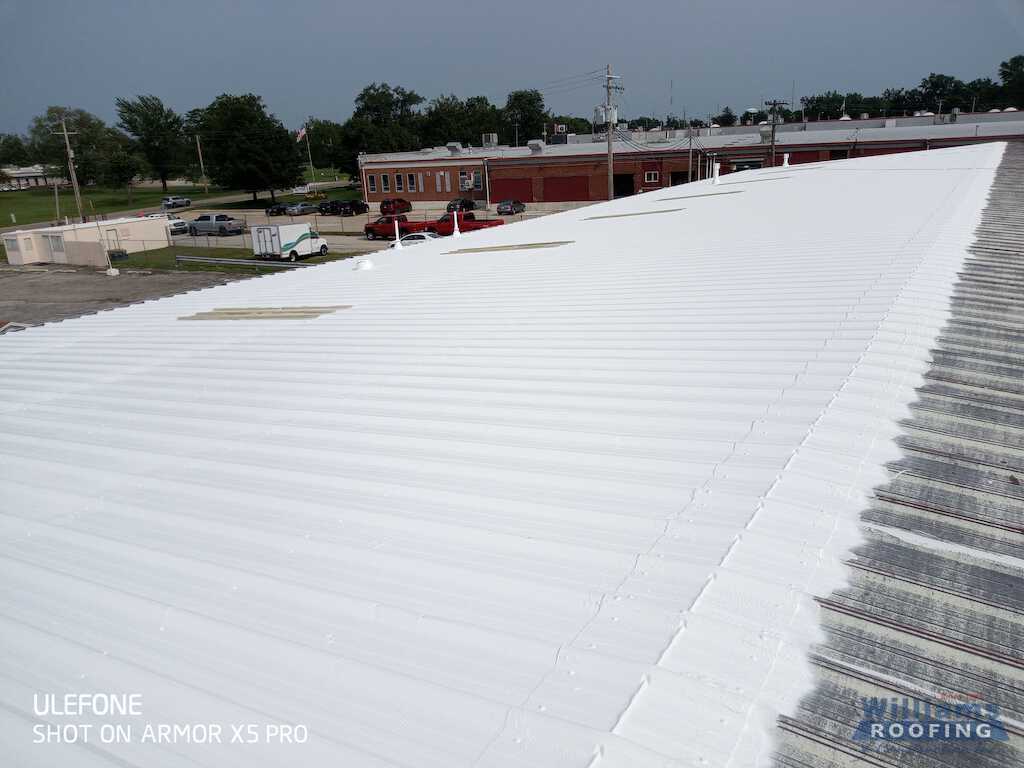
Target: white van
286 241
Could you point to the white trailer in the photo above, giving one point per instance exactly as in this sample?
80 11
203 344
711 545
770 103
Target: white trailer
286 241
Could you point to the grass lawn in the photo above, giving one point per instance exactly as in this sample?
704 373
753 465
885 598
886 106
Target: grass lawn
163 258
30 206
324 174
262 203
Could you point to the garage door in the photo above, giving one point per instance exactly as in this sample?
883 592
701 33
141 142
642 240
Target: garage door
566 189
512 189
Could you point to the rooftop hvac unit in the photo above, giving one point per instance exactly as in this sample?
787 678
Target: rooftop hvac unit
454 147
490 140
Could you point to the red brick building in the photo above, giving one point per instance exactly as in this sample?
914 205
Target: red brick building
577 172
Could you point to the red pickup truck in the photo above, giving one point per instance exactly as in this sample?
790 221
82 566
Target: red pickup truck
467 223
384 227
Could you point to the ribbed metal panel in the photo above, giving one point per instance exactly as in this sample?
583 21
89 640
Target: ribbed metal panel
935 605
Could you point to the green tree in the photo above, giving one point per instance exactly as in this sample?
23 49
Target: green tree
158 130
1011 74
91 140
244 147
525 108
120 168
944 91
385 105
13 150
726 118
325 140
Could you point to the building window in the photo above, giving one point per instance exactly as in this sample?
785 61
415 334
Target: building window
463 180
447 182
399 182
372 181
412 182
478 180
11 245
385 183
437 181
422 188
650 177
56 243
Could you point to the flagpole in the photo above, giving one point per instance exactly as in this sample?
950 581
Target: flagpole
309 152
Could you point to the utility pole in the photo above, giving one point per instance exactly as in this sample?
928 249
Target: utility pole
202 168
611 118
774 104
71 166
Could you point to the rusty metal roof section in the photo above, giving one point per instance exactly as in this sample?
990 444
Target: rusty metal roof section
934 610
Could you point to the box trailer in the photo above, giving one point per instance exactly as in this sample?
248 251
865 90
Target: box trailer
286 241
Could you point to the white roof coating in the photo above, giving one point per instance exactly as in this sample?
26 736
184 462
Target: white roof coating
546 506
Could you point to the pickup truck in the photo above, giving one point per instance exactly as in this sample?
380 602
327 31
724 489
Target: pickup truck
467 223
216 224
384 227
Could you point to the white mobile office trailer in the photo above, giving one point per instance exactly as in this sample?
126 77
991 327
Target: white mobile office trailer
286 241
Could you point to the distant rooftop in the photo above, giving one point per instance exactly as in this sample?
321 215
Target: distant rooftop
967 125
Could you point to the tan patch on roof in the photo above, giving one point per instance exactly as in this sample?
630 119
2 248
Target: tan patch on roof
517 247
625 215
265 313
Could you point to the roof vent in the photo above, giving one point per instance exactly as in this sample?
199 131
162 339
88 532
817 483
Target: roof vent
363 264
454 147
426 151
536 146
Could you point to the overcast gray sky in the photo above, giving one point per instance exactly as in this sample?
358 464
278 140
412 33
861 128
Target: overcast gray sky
313 56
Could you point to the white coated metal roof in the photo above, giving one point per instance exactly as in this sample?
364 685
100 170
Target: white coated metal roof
557 493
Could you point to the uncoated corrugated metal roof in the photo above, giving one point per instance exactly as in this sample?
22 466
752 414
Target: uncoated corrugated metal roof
516 506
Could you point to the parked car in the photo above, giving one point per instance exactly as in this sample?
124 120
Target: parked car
276 209
461 204
342 207
392 206
177 226
175 201
417 238
510 207
301 209
216 224
384 227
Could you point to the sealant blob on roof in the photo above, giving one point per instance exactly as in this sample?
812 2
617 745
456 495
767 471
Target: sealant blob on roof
505 510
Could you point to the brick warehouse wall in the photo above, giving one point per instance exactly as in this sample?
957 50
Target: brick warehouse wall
430 190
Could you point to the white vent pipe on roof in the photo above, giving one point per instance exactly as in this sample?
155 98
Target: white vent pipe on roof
715 168
785 159
398 235
455 224
363 264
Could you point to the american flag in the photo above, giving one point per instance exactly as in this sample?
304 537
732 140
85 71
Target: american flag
301 136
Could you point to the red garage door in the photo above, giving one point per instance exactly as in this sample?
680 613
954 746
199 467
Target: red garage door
561 189
512 189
